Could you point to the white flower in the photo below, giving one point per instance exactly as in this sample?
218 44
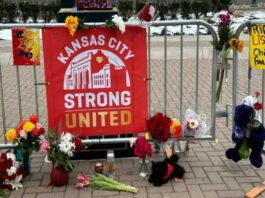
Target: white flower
119 22
11 156
66 137
23 134
67 148
152 11
16 183
193 124
11 171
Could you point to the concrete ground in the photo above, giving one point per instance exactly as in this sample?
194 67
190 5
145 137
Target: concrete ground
208 172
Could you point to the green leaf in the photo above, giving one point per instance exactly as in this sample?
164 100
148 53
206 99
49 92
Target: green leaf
2 193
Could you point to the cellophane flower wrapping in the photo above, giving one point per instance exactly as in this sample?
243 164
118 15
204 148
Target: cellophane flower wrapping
195 124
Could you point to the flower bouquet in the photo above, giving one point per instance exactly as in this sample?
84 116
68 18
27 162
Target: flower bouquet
73 23
194 124
223 45
10 173
142 149
60 147
27 136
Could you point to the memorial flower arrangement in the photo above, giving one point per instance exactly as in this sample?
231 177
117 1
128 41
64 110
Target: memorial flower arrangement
73 23
60 148
142 148
176 129
223 45
10 173
194 124
27 136
159 127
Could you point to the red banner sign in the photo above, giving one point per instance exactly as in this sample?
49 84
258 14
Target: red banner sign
96 80
94 4
26 46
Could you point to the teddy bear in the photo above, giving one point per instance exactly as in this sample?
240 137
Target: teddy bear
163 171
249 133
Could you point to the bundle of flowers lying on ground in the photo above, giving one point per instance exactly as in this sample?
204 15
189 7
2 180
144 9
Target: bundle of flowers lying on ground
101 182
60 147
194 124
10 173
27 136
82 181
73 23
142 148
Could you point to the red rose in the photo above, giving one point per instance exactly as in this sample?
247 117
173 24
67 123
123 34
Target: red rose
34 132
33 119
78 144
142 148
144 14
257 93
258 106
41 131
159 127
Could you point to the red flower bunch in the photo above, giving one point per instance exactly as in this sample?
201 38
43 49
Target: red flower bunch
27 134
142 148
10 174
159 127
258 105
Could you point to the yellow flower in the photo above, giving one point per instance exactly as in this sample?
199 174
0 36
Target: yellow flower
71 22
11 135
240 45
147 136
233 43
174 124
28 127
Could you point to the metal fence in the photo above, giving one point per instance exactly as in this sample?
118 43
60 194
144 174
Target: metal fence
254 80
175 82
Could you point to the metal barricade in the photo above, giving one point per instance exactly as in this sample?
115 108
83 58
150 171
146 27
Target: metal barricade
251 85
169 79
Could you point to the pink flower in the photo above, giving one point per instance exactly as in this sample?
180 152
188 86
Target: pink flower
44 145
79 185
257 94
83 178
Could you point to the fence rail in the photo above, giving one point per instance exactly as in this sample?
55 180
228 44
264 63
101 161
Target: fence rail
178 97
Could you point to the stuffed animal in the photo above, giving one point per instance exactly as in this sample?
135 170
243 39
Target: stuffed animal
249 133
165 170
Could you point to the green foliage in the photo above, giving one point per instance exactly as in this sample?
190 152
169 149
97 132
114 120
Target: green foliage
2 193
34 11
25 9
163 10
125 8
173 7
49 11
219 5
185 9
1 12
206 6
196 8
11 11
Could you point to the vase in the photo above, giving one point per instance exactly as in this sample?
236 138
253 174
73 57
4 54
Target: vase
156 147
59 176
143 168
23 158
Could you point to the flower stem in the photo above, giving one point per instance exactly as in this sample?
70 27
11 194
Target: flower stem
220 84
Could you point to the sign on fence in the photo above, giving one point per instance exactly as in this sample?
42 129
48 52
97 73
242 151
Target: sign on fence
257 46
26 46
96 80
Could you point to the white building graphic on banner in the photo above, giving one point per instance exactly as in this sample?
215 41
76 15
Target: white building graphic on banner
79 73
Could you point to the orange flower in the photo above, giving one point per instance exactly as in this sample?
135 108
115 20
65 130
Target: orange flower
176 129
71 22
240 45
233 43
